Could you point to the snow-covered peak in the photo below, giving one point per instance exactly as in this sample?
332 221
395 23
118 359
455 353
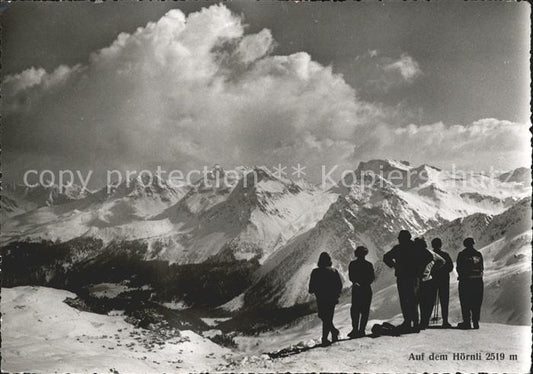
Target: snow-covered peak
447 194
384 164
40 193
260 179
142 186
399 174
218 180
262 173
519 175
17 199
212 188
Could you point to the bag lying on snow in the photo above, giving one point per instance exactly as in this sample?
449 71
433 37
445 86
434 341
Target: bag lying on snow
385 328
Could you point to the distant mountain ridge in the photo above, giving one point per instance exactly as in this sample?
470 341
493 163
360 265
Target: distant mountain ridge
371 212
222 211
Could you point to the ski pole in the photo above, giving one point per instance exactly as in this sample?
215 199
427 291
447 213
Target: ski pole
436 308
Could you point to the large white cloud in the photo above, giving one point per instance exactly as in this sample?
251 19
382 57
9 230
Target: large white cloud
190 91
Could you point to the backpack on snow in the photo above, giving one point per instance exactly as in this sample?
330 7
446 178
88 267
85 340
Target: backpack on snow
385 329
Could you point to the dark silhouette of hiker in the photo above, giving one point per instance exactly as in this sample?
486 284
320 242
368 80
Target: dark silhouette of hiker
361 273
403 258
470 269
441 277
428 290
326 284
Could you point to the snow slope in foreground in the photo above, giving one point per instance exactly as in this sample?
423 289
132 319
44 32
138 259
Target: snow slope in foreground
42 334
388 354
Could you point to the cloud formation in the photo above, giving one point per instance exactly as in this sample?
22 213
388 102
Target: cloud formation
380 73
184 92
406 66
488 142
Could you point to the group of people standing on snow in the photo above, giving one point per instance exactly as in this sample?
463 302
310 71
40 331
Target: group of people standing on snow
421 275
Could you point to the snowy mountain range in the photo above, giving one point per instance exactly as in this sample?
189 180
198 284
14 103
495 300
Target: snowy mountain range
248 217
372 212
17 199
276 225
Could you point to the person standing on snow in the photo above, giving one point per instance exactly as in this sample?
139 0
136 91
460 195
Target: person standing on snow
441 277
361 273
406 262
326 285
428 289
470 269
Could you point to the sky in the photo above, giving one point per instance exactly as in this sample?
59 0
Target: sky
132 85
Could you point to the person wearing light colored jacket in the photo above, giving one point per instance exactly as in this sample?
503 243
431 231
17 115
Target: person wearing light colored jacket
428 290
441 277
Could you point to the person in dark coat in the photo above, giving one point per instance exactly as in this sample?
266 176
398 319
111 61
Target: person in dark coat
470 269
441 277
361 273
428 290
326 285
404 258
